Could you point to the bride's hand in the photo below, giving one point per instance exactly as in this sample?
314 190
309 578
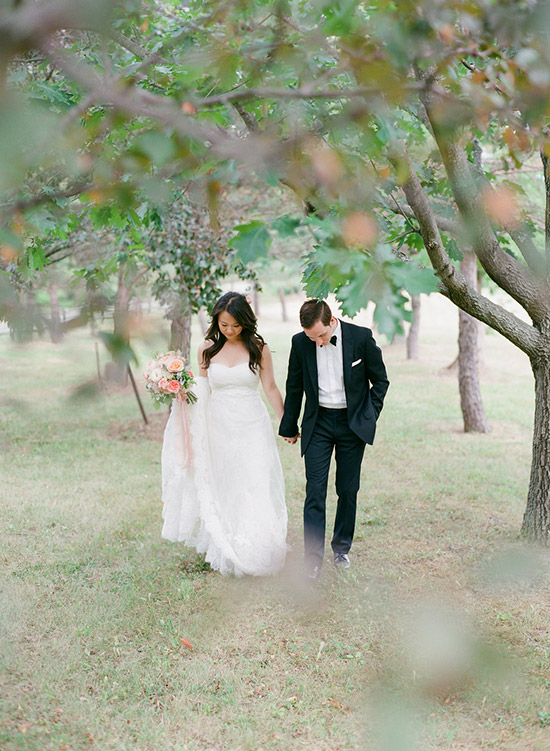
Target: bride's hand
291 440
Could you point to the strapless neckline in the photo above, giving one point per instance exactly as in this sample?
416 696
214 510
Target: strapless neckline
229 367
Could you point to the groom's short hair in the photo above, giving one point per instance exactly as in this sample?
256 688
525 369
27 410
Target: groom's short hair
312 311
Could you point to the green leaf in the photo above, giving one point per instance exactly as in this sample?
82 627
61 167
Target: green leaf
7 237
272 179
252 241
315 282
36 259
54 95
160 149
453 250
118 348
286 225
353 296
390 313
413 278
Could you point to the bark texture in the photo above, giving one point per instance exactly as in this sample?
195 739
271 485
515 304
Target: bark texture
203 320
282 298
509 273
256 301
414 330
116 370
471 403
536 520
180 335
453 283
56 331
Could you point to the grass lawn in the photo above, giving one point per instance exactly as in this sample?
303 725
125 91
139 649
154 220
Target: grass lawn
114 639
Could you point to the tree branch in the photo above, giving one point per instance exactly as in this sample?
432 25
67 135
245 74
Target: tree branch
136 101
137 50
444 224
524 336
28 25
512 276
546 172
44 197
305 92
517 232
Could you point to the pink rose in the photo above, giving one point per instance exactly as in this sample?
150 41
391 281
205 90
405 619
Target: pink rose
175 365
163 383
173 387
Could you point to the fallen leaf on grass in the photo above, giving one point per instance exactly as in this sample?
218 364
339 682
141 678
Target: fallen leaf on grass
321 646
288 703
24 727
186 643
336 705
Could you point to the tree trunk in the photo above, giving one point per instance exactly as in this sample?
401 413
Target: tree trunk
468 372
282 298
180 334
256 301
116 370
203 320
536 520
56 332
481 328
412 338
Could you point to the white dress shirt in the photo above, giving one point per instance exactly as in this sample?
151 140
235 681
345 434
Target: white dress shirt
330 373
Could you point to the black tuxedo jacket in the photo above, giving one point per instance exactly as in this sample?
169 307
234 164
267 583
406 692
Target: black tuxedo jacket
365 381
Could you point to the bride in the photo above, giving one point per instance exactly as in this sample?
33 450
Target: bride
222 482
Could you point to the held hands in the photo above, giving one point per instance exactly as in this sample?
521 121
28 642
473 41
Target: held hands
291 440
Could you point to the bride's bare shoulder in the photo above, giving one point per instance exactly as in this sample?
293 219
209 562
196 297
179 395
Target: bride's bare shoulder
203 346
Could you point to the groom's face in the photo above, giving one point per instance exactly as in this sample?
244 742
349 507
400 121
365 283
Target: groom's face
319 333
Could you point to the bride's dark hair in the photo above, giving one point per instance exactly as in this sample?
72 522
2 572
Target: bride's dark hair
237 306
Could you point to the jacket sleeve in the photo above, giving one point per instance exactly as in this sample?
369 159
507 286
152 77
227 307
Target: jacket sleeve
294 392
376 372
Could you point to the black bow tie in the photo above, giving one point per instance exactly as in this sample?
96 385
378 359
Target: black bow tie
333 340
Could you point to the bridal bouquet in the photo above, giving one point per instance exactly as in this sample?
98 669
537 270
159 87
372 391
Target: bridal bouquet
167 377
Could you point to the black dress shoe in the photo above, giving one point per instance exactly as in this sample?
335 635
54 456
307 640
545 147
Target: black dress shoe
313 573
341 560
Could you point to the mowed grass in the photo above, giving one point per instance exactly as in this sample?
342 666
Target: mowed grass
112 638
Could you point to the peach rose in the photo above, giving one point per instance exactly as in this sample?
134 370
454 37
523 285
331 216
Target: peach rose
163 383
173 387
155 375
175 365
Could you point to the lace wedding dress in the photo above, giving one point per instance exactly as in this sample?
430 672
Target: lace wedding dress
222 482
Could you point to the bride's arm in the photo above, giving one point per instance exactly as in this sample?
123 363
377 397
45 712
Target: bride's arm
202 368
268 382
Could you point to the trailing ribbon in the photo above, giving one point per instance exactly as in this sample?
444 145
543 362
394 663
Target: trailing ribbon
185 427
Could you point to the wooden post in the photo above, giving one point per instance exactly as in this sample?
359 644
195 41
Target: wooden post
97 364
145 420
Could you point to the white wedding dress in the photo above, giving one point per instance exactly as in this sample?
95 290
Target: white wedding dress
222 482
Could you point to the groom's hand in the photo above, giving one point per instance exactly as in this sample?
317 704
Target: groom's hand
291 440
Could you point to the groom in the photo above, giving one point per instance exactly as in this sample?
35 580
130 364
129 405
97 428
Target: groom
340 369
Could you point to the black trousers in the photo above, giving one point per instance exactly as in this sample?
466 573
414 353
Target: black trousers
331 432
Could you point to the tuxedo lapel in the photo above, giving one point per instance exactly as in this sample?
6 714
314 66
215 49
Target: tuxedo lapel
311 363
347 352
